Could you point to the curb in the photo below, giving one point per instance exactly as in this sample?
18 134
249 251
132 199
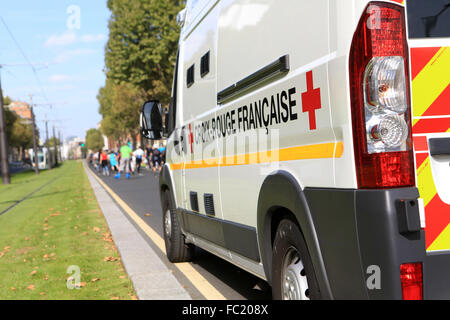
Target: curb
151 278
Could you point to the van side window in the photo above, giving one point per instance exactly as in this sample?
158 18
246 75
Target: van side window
171 119
190 76
204 65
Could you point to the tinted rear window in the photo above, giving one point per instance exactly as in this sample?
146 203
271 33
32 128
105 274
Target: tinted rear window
428 18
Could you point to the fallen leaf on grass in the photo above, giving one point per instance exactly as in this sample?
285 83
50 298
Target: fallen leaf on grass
134 298
55 214
95 280
46 277
110 259
122 277
31 287
32 272
42 293
114 298
13 289
27 238
96 229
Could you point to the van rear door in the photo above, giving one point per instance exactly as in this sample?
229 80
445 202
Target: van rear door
429 40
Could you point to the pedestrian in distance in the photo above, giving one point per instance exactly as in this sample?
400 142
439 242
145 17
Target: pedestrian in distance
104 163
98 162
139 155
113 161
162 151
156 159
125 157
148 155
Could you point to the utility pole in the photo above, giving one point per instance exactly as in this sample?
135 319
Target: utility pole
60 145
47 145
6 178
35 149
55 145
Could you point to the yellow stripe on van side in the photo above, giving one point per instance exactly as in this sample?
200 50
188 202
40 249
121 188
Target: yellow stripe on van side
316 151
430 82
442 242
425 178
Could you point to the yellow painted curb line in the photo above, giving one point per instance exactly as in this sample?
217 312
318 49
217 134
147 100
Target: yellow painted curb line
200 283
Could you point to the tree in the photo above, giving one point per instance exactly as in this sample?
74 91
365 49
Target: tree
50 142
7 101
142 44
120 105
94 140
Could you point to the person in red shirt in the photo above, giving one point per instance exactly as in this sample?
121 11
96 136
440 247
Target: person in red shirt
104 163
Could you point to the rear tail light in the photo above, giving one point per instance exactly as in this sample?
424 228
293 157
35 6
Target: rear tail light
412 281
381 111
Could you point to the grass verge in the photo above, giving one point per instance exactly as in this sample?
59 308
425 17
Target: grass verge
48 237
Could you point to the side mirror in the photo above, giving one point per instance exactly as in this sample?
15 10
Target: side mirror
151 120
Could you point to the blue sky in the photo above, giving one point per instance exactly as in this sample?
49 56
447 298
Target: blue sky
69 60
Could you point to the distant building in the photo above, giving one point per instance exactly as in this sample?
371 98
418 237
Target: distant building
22 109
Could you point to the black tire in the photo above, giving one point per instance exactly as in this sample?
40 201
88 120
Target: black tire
288 238
176 248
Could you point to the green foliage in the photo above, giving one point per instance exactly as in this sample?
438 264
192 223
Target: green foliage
94 140
7 101
120 106
50 142
140 58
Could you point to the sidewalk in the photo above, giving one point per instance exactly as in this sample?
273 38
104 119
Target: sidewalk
152 280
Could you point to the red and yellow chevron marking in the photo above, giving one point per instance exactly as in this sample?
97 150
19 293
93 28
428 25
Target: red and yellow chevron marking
399 1
431 100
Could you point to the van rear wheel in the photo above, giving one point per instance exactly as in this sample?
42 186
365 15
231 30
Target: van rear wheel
177 250
293 276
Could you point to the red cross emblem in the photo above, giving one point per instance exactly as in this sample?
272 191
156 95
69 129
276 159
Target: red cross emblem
311 100
191 139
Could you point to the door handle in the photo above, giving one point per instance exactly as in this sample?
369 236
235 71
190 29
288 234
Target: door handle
439 146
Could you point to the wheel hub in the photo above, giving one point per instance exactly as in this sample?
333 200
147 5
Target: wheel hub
168 224
295 283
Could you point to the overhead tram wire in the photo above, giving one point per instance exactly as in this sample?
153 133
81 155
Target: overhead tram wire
22 52
26 58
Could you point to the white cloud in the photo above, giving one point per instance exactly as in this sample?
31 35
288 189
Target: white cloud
61 40
69 38
70 54
59 78
92 37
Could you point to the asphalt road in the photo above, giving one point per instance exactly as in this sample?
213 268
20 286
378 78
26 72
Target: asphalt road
142 195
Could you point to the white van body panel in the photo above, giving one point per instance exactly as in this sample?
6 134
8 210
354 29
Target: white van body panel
242 37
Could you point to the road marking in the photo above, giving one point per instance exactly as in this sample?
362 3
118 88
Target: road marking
200 283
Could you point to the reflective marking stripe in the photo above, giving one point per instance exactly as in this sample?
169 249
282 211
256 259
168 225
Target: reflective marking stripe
425 178
317 151
442 242
431 98
431 82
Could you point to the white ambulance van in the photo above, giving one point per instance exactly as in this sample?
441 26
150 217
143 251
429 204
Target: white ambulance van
308 142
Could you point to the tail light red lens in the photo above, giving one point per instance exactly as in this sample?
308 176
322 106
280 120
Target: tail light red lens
412 281
381 108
